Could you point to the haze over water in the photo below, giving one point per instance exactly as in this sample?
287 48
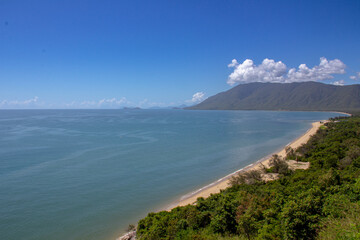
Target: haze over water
87 174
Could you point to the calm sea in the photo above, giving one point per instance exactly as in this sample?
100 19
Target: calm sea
87 174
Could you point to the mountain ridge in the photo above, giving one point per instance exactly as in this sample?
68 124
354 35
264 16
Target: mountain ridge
302 96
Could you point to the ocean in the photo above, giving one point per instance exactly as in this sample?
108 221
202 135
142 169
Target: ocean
88 174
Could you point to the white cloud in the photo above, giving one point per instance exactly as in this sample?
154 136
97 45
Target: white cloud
339 83
19 104
143 102
89 103
119 103
70 105
356 76
198 97
267 71
271 71
323 71
112 101
233 63
105 102
32 100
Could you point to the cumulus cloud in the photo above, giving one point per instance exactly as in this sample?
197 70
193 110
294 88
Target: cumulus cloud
323 71
339 83
198 97
271 71
267 71
233 63
19 104
355 77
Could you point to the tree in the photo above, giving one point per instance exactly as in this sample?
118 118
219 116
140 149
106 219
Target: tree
248 177
279 165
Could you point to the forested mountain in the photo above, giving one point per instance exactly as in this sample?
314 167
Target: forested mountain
304 96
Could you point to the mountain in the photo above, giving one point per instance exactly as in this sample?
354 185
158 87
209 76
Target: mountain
304 96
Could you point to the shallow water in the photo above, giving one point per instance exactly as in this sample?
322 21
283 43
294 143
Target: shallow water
87 174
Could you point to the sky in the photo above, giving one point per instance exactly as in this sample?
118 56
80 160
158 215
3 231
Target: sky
112 54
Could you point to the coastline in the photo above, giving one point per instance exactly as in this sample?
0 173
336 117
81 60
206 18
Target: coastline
223 182
347 114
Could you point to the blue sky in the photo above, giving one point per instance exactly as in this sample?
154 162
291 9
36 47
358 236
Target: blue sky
110 54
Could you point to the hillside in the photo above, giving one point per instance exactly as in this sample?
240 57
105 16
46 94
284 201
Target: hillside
322 202
304 96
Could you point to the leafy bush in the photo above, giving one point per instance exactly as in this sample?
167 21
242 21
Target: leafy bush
279 165
249 177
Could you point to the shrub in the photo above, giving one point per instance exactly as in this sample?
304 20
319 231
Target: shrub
278 165
249 177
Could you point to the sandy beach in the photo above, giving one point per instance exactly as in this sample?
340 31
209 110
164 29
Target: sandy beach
224 182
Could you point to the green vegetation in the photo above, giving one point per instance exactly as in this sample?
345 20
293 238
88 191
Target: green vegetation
130 228
279 165
304 96
322 202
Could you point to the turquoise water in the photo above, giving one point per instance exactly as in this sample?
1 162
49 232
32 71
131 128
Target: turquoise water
87 174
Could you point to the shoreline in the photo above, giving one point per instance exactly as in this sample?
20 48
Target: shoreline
223 183
347 114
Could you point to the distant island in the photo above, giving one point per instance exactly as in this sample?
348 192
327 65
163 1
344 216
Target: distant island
131 108
302 96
